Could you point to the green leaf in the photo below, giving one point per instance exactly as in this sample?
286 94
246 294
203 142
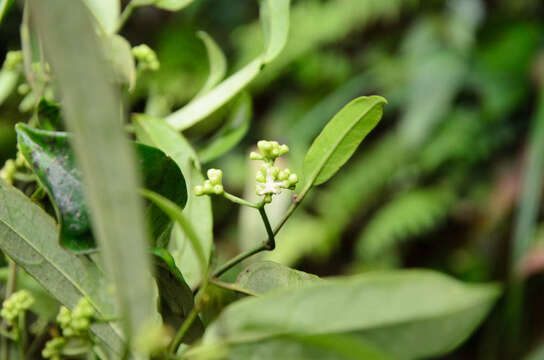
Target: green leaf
92 109
106 13
51 158
28 236
175 296
217 61
341 137
198 209
176 214
265 276
119 54
49 116
408 314
275 36
8 83
172 5
232 132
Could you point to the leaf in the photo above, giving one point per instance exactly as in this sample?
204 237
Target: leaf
49 116
217 61
341 137
119 54
232 132
175 296
8 83
198 209
265 276
409 314
176 214
172 5
51 158
106 13
28 236
92 112
276 37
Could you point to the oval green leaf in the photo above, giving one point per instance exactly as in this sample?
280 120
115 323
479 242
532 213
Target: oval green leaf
426 313
265 276
341 137
50 157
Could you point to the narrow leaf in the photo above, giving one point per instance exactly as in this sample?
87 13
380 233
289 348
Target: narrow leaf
92 108
265 276
341 137
217 61
275 25
232 132
394 311
28 236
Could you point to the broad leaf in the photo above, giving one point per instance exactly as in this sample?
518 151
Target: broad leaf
51 158
232 132
28 236
341 137
266 276
198 209
409 314
217 61
92 112
275 37
175 296
106 13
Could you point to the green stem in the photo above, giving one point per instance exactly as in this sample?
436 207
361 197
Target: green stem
270 242
21 338
237 200
125 15
10 288
4 7
232 287
238 259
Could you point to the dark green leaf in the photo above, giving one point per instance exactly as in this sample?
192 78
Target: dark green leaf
175 296
232 132
408 314
28 236
49 115
341 137
265 276
51 158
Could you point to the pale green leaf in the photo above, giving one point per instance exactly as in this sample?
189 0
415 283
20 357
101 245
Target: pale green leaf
8 83
232 132
172 5
29 236
275 38
106 13
119 54
409 314
92 111
198 209
341 137
266 276
217 63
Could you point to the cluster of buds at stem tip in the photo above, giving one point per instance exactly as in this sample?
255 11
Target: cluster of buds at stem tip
16 305
77 322
146 57
13 61
212 186
270 179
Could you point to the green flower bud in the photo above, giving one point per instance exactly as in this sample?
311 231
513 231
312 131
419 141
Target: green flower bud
53 348
255 156
146 57
218 189
199 190
15 305
13 61
214 184
215 176
8 171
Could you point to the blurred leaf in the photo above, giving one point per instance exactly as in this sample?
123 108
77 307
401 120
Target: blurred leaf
106 13
28 236
119 53
5 5
426 313
8 83
172 5
266 276
217 61
49 115
93 113
276 37
175 296
232 132
408 215
51 158
340 138
176 214
198 209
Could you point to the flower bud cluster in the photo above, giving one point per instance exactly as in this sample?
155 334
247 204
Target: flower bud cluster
15 305
13 60
146 57
269 151
53 348
214 184
270 179
77 322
